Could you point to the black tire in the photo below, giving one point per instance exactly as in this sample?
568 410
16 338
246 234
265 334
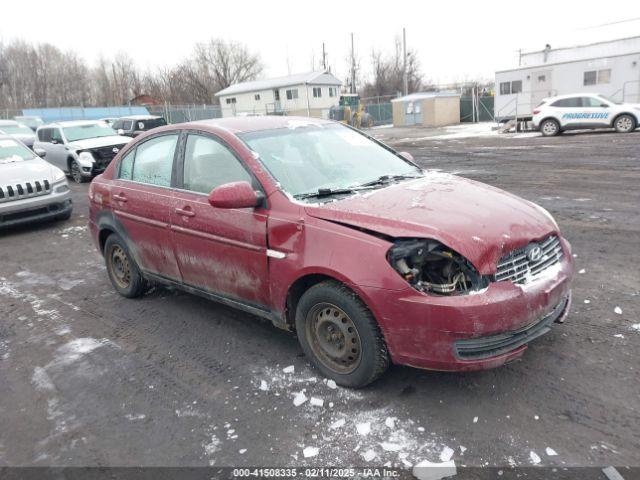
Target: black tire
624 123
123 272
356 330
75 171
550 127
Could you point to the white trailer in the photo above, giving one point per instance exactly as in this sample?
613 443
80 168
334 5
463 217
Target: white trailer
610 68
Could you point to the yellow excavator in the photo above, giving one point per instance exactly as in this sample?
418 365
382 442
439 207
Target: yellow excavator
350 110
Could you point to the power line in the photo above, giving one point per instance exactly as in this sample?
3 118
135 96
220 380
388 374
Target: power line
627 20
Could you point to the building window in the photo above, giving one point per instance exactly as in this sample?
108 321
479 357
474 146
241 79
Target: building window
317 92
332 92
507 88
597 76
292 94
256 96
604 76
516 86
590 77
231 100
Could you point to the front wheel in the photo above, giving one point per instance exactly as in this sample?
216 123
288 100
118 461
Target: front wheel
340 336
550 127
624 123
122 269
76 172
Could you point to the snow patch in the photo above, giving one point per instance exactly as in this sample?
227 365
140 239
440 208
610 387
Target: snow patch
426 470
310 452
534 458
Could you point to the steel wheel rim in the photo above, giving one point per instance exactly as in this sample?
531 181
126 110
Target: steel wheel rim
333 338
75 172
119 267
624 124
549 127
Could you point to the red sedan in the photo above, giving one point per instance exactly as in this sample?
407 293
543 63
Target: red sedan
326 231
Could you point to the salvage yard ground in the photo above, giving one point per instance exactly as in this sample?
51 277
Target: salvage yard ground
90 378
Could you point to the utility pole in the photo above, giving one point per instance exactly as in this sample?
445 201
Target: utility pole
324 58
405 80
352 89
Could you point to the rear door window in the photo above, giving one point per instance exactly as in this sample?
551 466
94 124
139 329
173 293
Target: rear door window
154 161
573 102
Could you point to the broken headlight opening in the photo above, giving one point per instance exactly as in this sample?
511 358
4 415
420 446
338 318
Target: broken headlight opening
429 266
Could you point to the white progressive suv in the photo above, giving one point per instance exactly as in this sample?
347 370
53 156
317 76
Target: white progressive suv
583 111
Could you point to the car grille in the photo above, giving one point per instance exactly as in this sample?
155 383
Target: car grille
104 155
20 191
517 267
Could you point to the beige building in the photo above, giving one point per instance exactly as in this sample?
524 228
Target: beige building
428 109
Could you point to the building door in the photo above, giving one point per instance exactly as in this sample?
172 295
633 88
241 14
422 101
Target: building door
412 113
276 100
540 87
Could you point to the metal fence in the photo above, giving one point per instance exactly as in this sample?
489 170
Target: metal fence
185 113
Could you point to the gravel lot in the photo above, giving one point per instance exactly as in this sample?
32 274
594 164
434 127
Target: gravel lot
90 378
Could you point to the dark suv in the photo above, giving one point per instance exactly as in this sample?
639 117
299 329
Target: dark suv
136 124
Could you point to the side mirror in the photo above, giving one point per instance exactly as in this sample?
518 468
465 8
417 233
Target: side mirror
120 131
41 152
235 195
406 156
54 141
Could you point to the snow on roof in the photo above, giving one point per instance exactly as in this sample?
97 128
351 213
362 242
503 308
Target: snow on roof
313 78
420 95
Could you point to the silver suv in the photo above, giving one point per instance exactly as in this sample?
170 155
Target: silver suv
82 149
30 188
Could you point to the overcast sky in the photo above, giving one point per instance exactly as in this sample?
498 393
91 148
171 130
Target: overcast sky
454 40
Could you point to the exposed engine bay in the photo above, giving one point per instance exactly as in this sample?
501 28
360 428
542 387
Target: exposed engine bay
430 266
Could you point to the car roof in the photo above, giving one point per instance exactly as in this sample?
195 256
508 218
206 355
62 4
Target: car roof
70 123
572 95
9 122
139 117
257 123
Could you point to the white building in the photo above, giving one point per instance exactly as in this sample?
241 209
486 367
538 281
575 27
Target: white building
308 94
610 68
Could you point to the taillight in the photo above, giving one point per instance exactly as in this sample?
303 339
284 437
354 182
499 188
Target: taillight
536 111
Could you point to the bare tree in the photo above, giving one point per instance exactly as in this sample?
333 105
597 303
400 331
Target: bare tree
388 70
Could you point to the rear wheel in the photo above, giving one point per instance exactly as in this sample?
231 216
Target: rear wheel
550 127
76 171
122 269
624 123
340 336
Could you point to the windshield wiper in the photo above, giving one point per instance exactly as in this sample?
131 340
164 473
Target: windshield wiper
327 192
390 178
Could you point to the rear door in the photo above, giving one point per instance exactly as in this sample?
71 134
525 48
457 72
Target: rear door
218 250
141 200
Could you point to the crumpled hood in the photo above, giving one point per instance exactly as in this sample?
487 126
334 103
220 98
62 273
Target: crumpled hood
100 142
23 171
478 221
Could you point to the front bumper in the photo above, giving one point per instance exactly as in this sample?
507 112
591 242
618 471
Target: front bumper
427 331
28 210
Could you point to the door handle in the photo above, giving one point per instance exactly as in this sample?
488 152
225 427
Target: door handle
119 197
185 212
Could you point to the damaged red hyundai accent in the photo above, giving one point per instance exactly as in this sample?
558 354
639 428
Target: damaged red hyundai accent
331 234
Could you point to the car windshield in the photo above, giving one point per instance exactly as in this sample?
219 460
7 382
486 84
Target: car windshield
30 121
310 158
91 130
12 151
16 129
611 100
